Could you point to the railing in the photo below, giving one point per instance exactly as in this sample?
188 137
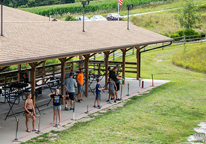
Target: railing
130 67
189 39
50 70
54 69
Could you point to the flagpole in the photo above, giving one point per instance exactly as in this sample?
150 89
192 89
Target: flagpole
118 10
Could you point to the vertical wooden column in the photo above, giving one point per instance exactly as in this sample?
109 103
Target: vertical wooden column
86 67
63 64
72 67
99 69
5 79
138 62
33 81
43 72
19 73
123 63
53 68
106 60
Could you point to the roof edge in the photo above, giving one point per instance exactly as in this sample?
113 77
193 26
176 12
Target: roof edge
36 59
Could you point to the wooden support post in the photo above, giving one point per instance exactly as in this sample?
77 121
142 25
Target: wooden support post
43 72
72 67
33 81
86 67
138 63
19 73
106 60
94 59
53 68
5 79
63 64
99 69
123 64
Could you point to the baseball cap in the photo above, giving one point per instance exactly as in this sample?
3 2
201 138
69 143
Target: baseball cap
71 74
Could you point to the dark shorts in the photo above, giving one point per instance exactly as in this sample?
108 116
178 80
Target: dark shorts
71 96
26 80
31 110
118 85
98 96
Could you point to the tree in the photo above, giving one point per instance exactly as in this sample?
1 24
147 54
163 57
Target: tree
189 17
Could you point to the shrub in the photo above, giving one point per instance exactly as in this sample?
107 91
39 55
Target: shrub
174 36
70 18
190 32
180 32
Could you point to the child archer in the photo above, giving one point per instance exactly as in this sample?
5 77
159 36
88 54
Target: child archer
112 88
56 105
29 109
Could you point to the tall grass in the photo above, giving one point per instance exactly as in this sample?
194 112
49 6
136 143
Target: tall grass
194 59
92 7
164 23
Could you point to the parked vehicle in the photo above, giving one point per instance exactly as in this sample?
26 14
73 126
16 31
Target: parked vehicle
80 18
113 17
98 18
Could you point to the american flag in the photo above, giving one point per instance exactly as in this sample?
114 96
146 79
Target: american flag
120 2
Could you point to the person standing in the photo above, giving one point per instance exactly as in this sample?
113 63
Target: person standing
116 78
70 85
25 76
112 88
29 109
80 82
98 95
56 105
110 71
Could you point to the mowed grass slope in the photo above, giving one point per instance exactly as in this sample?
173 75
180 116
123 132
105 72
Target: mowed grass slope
167 114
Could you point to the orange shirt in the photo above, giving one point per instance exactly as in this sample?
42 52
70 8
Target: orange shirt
80 77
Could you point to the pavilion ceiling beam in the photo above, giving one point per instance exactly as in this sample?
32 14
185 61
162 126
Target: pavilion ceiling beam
63 59
40 63
129 49
2 69
112 51
33 64
143 47
69 58
91 55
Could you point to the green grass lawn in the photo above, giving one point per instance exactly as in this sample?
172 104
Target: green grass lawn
167 114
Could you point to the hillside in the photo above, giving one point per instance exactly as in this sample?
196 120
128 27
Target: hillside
165 23
194 59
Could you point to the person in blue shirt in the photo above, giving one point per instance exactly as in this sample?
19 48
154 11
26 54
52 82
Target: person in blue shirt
98 94
70 85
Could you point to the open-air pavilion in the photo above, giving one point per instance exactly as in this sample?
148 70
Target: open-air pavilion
33 39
